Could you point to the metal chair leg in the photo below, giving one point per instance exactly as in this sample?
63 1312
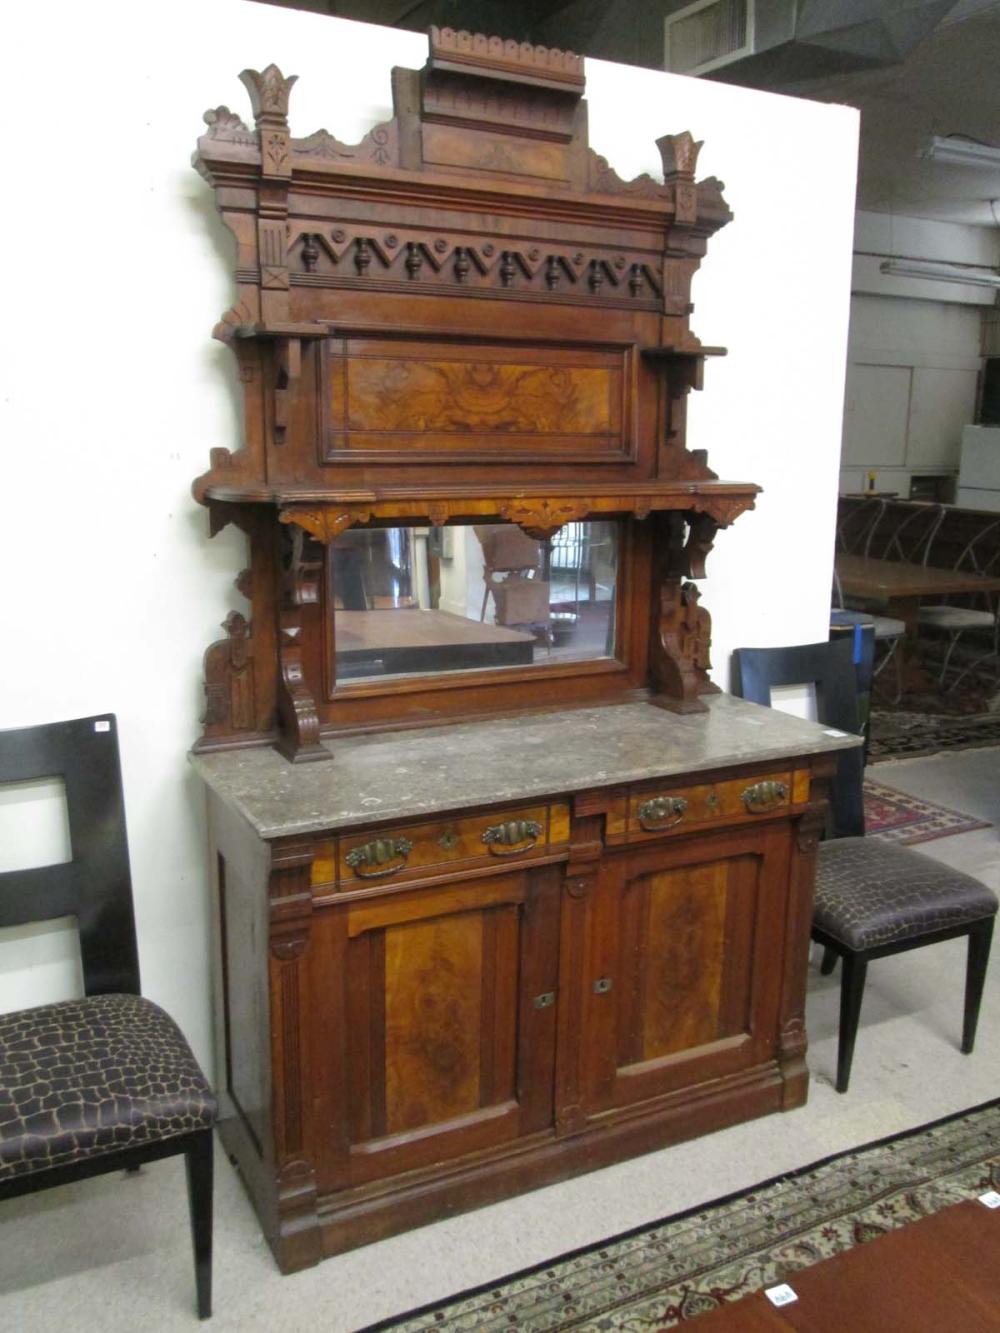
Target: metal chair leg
198 1161
852 989
980 938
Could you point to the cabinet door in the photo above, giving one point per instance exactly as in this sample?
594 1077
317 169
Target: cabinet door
449 1020
684 964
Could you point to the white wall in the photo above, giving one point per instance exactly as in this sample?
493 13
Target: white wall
114 392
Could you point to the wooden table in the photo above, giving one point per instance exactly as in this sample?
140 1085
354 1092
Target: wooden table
936 1274
900 586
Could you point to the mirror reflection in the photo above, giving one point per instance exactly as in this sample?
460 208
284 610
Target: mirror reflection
419 601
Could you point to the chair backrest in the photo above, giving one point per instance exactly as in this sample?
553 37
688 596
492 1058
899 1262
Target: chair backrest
96 885
830 668
911 538
857 526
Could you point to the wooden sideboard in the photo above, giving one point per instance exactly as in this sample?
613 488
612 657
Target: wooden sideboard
462 962
457 961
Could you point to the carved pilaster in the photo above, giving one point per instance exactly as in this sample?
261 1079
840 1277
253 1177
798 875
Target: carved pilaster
581 871
290 895
269 92
291 899
792 1041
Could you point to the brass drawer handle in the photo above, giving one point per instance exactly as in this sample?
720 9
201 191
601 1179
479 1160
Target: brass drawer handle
516 835
383 856
662 812
763 796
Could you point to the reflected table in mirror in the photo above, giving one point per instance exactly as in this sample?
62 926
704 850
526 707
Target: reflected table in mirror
402 640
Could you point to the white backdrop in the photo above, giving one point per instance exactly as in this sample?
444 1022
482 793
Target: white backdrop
113 392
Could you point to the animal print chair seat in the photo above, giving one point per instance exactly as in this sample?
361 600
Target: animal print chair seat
92 1076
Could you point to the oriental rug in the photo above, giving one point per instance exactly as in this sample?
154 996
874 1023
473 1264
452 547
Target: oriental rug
670 1271
895 816
905 735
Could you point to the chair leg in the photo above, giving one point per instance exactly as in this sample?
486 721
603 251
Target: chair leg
198 1160
829 962
852 988
980 938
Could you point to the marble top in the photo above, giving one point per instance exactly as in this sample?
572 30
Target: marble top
402 774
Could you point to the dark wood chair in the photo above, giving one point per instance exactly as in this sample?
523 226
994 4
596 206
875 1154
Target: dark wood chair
873 898
106 1082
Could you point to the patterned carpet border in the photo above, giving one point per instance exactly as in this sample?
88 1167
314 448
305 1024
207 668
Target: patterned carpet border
895 816
660 1274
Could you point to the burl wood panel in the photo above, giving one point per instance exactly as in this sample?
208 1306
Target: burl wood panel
686 922
677 932
405 396
685 959
434 974
444 1043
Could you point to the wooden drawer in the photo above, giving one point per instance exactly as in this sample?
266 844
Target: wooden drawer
655 811
409 850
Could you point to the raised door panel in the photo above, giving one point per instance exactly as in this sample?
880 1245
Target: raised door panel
686 951
449 1047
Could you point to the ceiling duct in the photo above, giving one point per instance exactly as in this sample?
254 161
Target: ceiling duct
760 43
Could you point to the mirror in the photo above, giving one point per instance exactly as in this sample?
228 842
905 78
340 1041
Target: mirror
421 601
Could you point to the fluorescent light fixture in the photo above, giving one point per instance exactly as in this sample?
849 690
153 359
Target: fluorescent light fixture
939 272
962 152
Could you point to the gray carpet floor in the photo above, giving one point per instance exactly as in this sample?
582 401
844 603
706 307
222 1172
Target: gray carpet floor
113 1254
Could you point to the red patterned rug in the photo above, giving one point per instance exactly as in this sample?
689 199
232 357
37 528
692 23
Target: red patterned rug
893 815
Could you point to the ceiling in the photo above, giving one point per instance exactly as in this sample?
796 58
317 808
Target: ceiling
948 84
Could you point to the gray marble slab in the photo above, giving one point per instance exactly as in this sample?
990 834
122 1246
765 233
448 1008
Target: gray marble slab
402 774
